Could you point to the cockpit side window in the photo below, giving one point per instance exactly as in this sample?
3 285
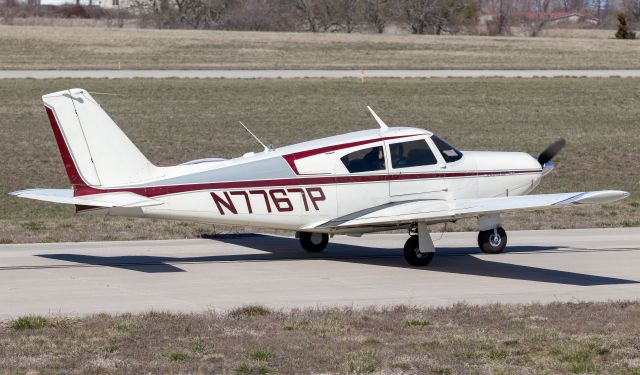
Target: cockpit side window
411 154
448 152
365 160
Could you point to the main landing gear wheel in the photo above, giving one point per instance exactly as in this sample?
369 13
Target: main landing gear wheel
492 241
413 255
314 242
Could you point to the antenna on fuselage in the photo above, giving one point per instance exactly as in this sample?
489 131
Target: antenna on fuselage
266 149
383 126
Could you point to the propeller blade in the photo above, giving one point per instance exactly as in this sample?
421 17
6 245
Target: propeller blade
551 151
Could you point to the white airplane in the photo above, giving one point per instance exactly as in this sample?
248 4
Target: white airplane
366 181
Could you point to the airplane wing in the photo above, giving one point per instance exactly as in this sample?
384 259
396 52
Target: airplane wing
437 211
114 199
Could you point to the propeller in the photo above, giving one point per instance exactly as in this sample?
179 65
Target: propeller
551 151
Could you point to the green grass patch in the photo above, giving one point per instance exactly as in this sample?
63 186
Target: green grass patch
417 322
249 311
175 356
30 322
249 369
442 370
260 355
361 363
32 226
498 354
578 357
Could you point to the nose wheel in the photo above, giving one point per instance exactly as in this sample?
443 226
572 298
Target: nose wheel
492 241
314 242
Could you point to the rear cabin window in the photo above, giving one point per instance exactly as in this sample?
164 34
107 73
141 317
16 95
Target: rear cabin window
411 154
366 160
448 152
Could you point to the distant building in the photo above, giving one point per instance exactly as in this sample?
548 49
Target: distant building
58 2
558 17
552 18
101 3
110 4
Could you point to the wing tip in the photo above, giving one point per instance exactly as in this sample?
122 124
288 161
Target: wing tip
597 197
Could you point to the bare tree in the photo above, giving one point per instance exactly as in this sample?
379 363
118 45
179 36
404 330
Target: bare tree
206 14
377 12
440 16
260 15
503 16
538 16
573 5
347 12
306 8
632 9
419 14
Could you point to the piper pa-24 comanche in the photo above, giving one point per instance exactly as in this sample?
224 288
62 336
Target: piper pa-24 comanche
361 182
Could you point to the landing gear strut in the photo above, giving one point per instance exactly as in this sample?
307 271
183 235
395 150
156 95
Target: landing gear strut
492 241
313 242
419 250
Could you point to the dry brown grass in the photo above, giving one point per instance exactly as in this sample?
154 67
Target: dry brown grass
41 47
175 120
558 338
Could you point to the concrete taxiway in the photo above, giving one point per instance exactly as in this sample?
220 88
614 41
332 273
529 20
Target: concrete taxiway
249 74
222 273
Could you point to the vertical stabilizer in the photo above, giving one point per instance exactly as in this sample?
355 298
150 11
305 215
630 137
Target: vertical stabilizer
94 150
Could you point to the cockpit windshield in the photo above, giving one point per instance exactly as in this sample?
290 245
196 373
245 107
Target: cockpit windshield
448 152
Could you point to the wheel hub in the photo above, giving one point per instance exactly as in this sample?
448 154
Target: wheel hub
316 238
495 239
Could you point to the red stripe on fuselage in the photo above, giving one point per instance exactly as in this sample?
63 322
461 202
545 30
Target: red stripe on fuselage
69 165
291 158
154 191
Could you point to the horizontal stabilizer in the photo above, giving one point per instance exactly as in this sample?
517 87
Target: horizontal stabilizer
115 199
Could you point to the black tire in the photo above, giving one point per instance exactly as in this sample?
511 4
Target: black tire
314 242
413 255
489 244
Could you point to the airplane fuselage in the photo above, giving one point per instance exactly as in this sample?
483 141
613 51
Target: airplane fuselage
297 187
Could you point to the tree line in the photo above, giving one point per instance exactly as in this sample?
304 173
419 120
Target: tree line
493 17
496 17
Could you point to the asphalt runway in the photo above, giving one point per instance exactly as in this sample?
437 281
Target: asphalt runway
222 273
248 74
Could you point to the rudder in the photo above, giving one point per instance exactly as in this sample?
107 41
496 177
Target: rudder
94 150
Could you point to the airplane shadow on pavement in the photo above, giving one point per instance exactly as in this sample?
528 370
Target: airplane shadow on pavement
453 260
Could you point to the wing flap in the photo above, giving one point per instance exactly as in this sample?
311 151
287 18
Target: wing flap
440 211
65 196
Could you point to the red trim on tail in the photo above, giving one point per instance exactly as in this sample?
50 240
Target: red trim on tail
69 165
